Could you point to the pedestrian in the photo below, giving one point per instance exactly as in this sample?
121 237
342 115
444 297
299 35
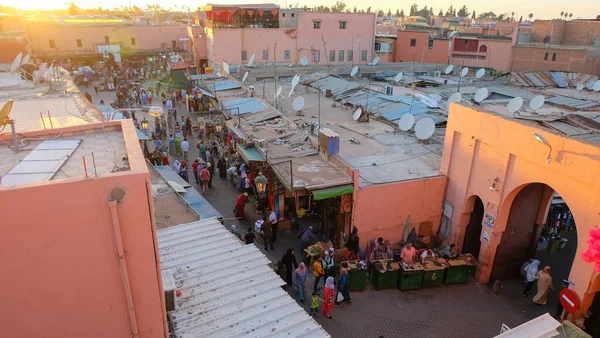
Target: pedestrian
353 242
343 287
204 177
209 168
185 146
266 234
222 166
408 254
328 298
184 170
314 304
290 262
300 280
544 285
195 165
177 167
523 272
249 237
202 151
273 219
165 159
318 272
96 88
188 126
305 238
531 271
327 264
88 96
235 231
281 271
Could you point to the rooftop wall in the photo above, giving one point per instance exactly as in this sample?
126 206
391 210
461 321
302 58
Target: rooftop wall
420 52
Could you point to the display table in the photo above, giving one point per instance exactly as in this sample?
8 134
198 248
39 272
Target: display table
471 262
316 250
411 276
457 271
357 276
434 273
385 274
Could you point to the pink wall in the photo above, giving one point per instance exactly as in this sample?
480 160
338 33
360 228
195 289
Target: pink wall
198 45
60 263
421 52
382 210
497 56
480 147
228 44
531 59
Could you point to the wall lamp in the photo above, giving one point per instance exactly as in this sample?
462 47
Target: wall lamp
542 139
493 184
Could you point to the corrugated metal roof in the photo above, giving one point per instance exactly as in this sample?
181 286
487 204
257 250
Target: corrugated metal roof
558 79
228 289
244 106
566 128
218 86
573 103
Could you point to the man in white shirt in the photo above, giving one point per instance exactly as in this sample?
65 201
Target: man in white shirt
427 255
169 104
185 146
273 220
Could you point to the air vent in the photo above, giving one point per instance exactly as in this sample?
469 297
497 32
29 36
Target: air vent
170 291
389 90
437 74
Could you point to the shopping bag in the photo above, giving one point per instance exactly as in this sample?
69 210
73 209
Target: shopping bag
340 297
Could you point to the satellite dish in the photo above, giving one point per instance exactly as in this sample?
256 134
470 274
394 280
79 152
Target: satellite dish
424 128
25 59
357 114
448 69
580 86
537 102
295 80
398 77
39 73
278 92
596 86
480 73
456 97
376 61
304 61
4 112
481 95
406 122
15 65
245 77
464 72
354 71
515 104
251 61
298 103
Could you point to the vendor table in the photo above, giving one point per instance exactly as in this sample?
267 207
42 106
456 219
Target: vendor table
471 262
385 274
411 276
315 250
434 273
357 277
457 272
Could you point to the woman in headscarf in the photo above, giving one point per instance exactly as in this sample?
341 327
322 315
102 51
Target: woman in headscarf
177 167
290 262
300 279
328 297
222 166
353 241
531 271
544 285
343 285
184 170
240 204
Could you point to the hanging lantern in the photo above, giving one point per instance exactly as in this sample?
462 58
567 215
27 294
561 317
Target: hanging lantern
144 124
261 184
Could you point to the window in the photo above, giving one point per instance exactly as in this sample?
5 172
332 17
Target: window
553 56
265 54
483 49
106 39
244 55
341 55
331 55
133 41
286 54
343 24
413 42
283 15
79 44
430 44
350 55
382 47
292 15
174 44
546 57
317 24
317 56
363 55
52 43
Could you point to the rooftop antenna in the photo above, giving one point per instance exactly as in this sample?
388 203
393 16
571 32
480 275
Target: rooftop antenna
596 86
354 71
424 129
5 120
25 59
448 69
375 62
357 113
304 61
455 97
295 81
16 63
463 72
398 77
406 122
245 77
580 87
514 105
537 102
251 61
298 104
481 94
480 73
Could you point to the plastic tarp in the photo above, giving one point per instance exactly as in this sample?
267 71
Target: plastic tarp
322 194
250 154
244 106
558 79
417 108
141 136
204 77
192 197
218 86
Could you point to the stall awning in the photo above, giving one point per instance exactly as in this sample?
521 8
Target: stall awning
322 194
250 154
141 136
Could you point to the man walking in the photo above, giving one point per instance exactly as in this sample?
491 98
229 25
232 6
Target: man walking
267 234
273 220
185 146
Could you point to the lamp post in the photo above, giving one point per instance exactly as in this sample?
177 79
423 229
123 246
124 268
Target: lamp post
261 190
542 139
144 124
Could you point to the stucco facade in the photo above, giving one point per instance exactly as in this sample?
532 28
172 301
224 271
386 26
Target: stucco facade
482 52
419 47
484 150
537 58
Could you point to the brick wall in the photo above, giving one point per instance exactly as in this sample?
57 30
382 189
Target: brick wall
541 29
558 29
581 32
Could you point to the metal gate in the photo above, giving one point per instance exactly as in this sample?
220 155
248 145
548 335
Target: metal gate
517 237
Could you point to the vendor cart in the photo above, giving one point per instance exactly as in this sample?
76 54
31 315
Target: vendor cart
411 276
357 273
434 273
457 271
471 262
384 274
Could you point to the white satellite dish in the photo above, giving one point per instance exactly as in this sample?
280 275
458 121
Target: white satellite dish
580 86
298 103
456 97
406 122
464 72
245 77
376 61
25 59
448 69
537 102
357 114
481 95
354 71
278 92
398 77
40 72
304 61
424 128
596 86
515 104
15 65
295 80
251 61
480 73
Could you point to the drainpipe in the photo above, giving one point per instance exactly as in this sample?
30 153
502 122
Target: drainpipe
112 204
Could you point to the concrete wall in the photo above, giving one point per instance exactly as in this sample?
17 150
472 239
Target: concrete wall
540 30
61 274
497 54
480 147
581 32
10 49
531 59
288 17
382 210
198 44
421 52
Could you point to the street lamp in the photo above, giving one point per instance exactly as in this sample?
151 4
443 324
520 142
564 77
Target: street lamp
144 124
261 184
542 139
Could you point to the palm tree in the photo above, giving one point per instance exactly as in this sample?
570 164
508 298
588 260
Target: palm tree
570 15
562 14
530 16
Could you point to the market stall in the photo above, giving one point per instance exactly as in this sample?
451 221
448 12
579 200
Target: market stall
457 271
357 271
411 276
471 262
434 273
384 274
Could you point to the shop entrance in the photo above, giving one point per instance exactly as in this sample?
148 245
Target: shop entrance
472 242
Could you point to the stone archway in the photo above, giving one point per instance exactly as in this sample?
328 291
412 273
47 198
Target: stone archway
472 238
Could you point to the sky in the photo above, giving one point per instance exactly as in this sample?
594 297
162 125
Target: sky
542 9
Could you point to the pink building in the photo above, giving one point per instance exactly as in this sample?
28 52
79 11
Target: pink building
419 46
482 52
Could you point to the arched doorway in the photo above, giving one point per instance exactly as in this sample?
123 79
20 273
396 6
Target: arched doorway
472 242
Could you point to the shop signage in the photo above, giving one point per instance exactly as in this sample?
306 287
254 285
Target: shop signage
486 235
113 49
569 300
208 70
489 220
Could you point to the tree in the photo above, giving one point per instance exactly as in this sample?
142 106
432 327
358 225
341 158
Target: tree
530 16
354 11
562 14
473 16
369 10
430 11
454 13
450 11
401 13
570 15
389 13
339 7
441 13
500 17
464 12
512 16
413 9
73 9
380 13
397 13
521 19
